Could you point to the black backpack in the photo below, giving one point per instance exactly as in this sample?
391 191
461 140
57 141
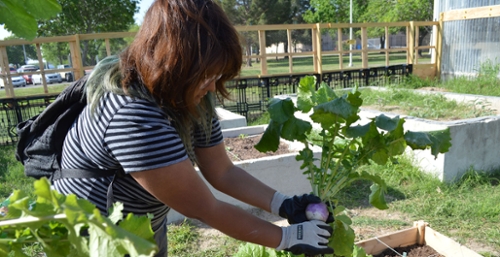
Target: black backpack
41 138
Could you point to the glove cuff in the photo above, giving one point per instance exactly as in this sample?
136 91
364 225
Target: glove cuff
277 201
285 238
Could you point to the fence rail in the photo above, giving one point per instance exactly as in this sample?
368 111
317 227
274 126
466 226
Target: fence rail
249 96
322 60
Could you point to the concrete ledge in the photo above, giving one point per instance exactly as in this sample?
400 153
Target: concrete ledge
229 119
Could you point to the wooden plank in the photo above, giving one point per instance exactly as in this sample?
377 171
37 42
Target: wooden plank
425 71
76 58
290 58
387 46
471 13
446 246
410 35
42 68
364 47
262 47
340 48
108 47
396 239
316 34
439 46
7 79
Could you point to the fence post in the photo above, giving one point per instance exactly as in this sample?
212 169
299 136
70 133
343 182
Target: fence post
364 47
76 58
316 39
411 42
263 54
7 80
42 68
439 45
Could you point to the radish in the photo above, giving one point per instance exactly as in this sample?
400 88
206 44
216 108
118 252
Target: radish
317 211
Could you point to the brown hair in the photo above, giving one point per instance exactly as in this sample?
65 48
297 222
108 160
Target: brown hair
179 45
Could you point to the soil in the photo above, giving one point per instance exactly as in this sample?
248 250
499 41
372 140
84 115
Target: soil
412 251
242 148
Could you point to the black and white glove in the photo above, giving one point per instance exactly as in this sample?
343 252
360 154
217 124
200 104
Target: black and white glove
294 208
309 238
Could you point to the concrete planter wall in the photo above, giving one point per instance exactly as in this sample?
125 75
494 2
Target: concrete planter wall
281 172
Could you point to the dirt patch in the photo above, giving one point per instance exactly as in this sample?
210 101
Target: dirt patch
412 251
242 148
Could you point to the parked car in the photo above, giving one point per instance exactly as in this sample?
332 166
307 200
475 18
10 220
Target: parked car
17 81
49 77
66 75
27 67
28 77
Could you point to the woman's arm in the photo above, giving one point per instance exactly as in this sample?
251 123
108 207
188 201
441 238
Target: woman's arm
223 175
180 187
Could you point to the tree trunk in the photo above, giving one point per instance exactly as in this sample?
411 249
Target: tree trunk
248 53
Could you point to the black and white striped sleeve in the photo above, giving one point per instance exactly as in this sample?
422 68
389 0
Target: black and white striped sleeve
202 140
140 138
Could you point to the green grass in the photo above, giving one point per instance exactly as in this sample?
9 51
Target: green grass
30 90
427 106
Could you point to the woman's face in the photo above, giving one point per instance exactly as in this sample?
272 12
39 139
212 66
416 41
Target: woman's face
207 85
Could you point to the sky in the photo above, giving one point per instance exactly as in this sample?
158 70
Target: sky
143 7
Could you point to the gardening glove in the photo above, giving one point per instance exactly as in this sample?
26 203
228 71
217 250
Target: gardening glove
309 238
294 208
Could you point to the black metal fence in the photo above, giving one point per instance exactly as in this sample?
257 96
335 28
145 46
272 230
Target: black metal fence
250 96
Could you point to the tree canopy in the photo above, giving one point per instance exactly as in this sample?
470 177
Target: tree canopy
85 17
20 17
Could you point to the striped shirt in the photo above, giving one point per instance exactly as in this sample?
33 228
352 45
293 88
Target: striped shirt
128 133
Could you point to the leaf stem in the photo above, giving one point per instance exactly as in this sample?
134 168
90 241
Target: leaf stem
31 219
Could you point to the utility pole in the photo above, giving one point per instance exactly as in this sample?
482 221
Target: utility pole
350 34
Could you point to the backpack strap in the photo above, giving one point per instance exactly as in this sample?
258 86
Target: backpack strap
94 173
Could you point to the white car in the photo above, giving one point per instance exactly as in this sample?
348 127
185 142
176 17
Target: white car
49 77
17 81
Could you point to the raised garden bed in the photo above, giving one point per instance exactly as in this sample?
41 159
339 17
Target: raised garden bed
420 234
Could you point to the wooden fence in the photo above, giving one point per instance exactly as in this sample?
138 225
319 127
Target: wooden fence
411 47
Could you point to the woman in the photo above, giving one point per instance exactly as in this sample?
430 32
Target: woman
151 114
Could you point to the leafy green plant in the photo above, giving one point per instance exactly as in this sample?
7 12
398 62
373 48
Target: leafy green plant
347 146
56 222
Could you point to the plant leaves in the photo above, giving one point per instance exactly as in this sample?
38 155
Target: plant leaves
270 140
386 123
325 93
295 129
439 141
20 17
280 110
358 130
343 238
377 198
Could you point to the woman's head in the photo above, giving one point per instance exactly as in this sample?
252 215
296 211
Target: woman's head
181 49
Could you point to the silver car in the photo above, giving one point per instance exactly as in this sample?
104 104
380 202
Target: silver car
17 81
49 77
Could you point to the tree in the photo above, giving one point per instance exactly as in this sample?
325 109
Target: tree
88 16
335 11
20 16
255 12
401 10
16 53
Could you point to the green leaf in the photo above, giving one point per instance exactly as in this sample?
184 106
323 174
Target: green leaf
441 141
270 139
359 252
20 17
254 250
338 106
295 129
377 198
417 140
358 130
387 123
304 104
325 119
280 110
343 238
380 156
43 9
355 99
325 93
